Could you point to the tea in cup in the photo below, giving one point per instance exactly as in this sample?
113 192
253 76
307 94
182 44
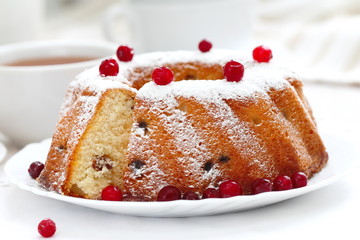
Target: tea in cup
33 80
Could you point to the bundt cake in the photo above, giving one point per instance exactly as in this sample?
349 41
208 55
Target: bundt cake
130 132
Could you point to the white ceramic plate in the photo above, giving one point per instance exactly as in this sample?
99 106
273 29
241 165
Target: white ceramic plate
3 152
343 158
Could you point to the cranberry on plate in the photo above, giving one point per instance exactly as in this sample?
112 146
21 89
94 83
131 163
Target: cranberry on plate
211 193
299 179
282 183
111 193
35 169
230 189
169 193
261 185
47 228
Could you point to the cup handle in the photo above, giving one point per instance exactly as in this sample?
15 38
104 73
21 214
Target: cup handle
111 14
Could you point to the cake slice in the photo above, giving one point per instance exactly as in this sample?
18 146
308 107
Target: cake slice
89 146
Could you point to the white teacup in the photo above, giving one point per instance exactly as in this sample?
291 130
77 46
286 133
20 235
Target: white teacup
157 25
31 96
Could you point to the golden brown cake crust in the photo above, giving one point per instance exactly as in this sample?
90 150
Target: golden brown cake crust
280 138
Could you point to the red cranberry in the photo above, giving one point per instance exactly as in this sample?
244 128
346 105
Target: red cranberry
211 193
282 183
205 45
47 228
233 71
190 196
35 169
111 193
162 75
230 189
125 53
169 193
262 54
299 179
261 185
109 67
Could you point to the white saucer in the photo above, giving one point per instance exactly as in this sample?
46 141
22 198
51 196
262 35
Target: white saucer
343 159
3 152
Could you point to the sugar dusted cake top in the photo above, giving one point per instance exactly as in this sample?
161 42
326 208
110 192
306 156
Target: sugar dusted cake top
258 73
